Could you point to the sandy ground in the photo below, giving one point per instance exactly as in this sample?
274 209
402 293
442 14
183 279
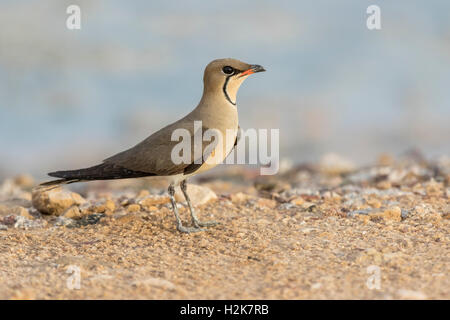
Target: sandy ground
364 239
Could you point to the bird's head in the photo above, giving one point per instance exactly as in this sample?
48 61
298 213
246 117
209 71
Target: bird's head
227 75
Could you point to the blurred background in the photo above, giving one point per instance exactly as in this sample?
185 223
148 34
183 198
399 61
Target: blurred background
70 98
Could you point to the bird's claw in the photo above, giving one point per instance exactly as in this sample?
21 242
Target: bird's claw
199 224
189 229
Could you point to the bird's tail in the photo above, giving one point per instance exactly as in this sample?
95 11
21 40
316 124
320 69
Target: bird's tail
104 171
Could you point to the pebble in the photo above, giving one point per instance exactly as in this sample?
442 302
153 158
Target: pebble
153 200
239 197
133 208
268 203
8 220
55 201
286 206
15 210
106 206
297 201
404 214
24 181
434 188
199 195
63 221
10 190
357 212
334 164
393 213
389 214
87 220
24 223
72 213
384 185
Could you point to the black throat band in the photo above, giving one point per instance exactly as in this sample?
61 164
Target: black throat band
224 89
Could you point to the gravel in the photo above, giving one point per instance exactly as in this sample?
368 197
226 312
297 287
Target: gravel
359 238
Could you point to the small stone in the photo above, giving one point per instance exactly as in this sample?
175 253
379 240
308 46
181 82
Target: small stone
106 206
63 221
9 190
240 197
124 202
87 220
405 213
390 214
153 200
198 194
268 203
384 185
8 220
333 196
127 218
15 210
55 201
316 286
24 223
334 164
133 208
394 213
434 188
275 186
203 243
286 206
374 203
26 214
359 212
110 206
308 206
73 213
24 181
297 201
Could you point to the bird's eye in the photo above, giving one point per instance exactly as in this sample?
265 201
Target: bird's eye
228 70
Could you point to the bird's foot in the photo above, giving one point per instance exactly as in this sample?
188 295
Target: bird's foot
199 224
189 229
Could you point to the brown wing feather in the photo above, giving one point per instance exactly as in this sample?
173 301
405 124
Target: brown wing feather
153 155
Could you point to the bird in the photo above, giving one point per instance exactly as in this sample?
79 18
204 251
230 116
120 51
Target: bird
216 111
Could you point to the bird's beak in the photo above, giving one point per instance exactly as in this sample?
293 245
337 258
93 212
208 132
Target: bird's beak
254 68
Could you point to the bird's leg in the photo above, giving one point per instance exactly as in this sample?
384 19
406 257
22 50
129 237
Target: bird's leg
177 216
195 220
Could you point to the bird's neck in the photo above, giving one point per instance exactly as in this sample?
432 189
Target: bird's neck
225 94
216 111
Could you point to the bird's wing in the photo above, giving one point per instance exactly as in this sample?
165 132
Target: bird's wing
154 154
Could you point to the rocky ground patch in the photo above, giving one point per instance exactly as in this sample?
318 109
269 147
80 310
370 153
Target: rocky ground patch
326 230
